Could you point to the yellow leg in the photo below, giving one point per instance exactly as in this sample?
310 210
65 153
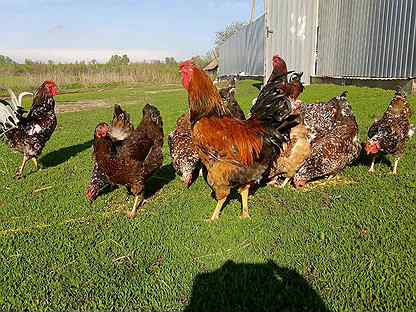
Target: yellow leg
217 210
284 182
372 164
20 171
137 201
244 198
396 162
35 162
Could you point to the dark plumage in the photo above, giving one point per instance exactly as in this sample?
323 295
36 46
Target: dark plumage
30 134
138 157
121 128
184 157
332 152
228 96
391 134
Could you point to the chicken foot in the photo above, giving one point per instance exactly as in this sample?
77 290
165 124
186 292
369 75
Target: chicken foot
284 183
216 213
20 171
372 164
137 201
35 162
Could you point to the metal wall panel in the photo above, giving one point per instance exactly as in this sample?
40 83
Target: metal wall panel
244 51
291 32
367 38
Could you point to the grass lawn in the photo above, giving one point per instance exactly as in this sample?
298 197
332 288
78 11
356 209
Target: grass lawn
348 245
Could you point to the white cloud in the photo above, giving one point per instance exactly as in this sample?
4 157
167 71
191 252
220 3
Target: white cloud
101 55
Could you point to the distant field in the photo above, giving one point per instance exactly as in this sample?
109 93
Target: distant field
348 245
75 76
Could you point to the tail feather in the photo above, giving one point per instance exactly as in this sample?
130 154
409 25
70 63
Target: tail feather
11 112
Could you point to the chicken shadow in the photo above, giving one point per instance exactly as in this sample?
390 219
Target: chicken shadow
253 287
158 180
257 85
60 156
365 160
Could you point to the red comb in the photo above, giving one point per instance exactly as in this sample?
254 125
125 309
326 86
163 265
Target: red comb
187 63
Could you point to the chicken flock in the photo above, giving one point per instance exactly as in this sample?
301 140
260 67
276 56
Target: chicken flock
283 139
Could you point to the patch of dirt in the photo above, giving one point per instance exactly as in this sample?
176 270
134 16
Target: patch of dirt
72 107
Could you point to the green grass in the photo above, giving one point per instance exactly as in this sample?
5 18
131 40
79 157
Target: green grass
344 247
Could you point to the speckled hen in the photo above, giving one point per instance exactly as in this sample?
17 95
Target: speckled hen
391 134
332 152
185 159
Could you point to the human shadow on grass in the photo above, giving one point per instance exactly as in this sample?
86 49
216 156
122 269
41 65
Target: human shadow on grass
158 180
60 156
253 287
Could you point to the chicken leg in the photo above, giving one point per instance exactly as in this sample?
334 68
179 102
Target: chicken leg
396 162
284 183
244 199
137 201
217 210
35 162
372 164
20 171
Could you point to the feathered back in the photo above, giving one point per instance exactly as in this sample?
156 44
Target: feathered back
399 105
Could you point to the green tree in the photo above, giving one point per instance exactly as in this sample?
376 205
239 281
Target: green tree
223 35
5 60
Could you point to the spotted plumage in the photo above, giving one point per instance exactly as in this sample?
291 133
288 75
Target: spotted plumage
391 133
184 157
319 118
332 152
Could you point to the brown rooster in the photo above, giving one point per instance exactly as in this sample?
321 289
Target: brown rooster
236 153
29 134
121 128
137 159
185 159
391 134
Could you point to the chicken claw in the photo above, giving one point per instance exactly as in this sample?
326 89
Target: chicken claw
217 210
137 201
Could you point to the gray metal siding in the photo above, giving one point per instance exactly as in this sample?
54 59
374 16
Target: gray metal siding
244 51
293 23
367 38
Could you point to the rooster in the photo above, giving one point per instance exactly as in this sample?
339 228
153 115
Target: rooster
29 134
121 128
235 152
137 159
332 152
391 134
185 159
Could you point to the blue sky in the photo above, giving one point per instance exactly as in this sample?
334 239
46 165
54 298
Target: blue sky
69 30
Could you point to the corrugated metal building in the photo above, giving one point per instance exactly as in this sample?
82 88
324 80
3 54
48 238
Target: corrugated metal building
340 39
